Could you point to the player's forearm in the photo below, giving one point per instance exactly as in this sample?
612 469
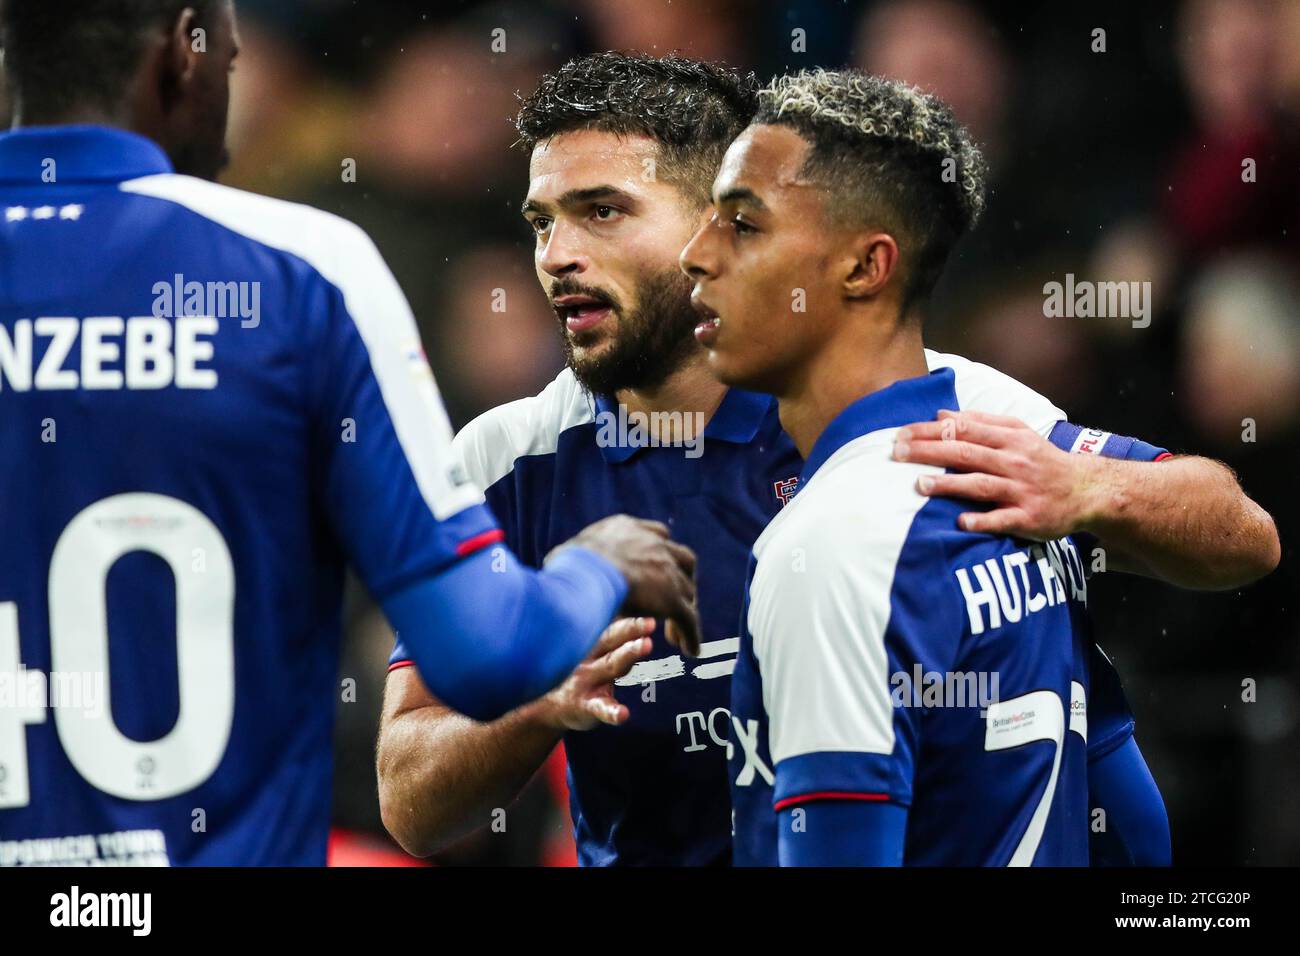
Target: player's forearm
441 775
1136 825
1185 520
842 833
489 634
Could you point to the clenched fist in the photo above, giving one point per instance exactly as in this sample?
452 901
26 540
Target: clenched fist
660 572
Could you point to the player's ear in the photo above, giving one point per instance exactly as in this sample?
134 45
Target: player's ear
874 261
186 44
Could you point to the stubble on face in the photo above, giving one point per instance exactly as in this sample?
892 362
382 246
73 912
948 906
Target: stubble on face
655 336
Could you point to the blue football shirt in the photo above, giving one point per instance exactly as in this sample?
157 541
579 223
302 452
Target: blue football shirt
208 400
888 656
654 791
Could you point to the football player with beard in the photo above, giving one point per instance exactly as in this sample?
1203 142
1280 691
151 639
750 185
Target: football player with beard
623 151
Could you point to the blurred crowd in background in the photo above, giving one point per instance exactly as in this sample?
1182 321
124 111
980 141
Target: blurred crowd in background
1122 164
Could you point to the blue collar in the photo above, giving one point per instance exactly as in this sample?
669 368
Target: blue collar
737 420
81 154
906 401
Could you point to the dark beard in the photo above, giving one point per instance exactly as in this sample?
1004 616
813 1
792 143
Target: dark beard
652 342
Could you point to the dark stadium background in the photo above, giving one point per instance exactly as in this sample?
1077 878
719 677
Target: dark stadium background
1116 165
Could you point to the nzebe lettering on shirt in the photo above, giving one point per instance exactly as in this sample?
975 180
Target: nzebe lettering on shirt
153 353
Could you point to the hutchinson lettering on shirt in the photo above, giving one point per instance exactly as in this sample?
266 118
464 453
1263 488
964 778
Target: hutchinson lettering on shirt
1010 587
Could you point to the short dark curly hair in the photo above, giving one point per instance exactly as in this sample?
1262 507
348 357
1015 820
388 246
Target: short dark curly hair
63 54
888 152
693 110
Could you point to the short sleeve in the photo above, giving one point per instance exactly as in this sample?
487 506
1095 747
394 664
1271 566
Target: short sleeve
833 615
1110 719
385 473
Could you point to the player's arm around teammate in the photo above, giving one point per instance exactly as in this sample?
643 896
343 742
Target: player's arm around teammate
1185 520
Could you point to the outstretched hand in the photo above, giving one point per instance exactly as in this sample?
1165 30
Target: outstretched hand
586 697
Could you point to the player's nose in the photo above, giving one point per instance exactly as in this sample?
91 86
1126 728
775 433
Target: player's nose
561 255
697 259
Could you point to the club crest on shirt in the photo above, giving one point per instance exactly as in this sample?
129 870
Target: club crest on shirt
785 489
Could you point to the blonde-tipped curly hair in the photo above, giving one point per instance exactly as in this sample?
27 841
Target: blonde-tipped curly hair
883 110
889 152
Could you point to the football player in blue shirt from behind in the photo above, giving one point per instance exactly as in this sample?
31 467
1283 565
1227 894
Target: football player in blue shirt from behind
209 402
623 149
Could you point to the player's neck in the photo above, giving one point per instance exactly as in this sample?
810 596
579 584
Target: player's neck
861 360
74 115
691 390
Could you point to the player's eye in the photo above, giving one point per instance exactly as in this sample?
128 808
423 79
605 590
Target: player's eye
741 227
605 213
540 224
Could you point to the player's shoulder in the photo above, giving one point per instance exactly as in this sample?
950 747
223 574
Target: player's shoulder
857 510
831 566
490 445
332 245
983 388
